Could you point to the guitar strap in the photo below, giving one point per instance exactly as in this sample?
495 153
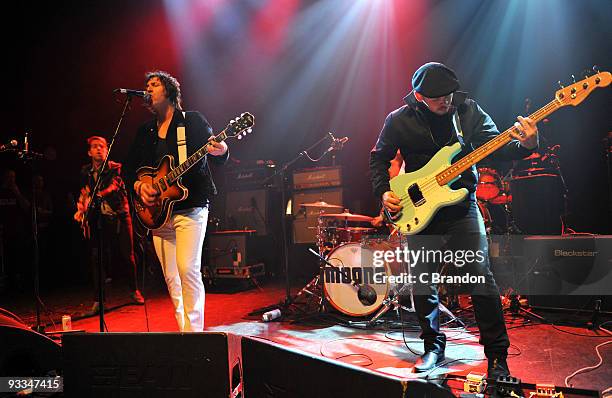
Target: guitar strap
458 130
181 142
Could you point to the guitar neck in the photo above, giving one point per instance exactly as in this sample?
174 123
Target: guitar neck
198 155
454 170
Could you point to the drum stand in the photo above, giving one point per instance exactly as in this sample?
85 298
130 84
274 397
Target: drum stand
392 302
313 288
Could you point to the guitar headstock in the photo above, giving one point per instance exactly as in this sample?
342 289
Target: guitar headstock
577 92
240 126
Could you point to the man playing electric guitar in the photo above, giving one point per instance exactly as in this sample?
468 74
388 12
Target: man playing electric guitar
115 216
437 115
178 242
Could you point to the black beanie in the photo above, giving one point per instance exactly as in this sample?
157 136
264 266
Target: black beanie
434 80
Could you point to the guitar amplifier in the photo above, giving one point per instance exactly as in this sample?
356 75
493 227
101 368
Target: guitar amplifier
306 220
235 255
568 271
320 177
257 177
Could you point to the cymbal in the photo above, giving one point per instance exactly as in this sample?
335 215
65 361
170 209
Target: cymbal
321 204
348 217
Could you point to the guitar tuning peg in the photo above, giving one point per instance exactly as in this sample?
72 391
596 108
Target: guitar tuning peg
249 130
596 69
573 79
239 136
560 85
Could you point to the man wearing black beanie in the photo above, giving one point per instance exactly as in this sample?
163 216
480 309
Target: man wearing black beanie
436 115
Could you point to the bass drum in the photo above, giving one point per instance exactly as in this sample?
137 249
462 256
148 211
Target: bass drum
358 286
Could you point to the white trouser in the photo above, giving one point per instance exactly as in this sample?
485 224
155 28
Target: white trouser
178 245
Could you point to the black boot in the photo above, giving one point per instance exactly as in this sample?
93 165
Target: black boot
497 367
428 361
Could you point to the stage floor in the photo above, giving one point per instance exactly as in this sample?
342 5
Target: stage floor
539 352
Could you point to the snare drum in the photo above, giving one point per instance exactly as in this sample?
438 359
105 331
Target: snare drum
355 268
353 234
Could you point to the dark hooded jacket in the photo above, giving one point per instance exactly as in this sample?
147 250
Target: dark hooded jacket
409 129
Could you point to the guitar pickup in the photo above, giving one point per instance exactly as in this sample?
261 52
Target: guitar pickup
415 194
163 184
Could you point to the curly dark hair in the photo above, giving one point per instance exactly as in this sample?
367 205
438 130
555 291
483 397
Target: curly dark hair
172 86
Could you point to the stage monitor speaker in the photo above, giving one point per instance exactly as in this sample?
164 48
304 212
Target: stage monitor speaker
274 371
152 365
248 210
306 218
24 352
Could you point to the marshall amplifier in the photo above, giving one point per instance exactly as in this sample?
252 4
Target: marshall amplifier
305 219
320 177
250 178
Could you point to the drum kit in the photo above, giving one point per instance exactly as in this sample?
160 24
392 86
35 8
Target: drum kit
348 279
345 243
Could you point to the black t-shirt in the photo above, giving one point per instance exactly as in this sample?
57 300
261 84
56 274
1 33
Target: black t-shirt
161 149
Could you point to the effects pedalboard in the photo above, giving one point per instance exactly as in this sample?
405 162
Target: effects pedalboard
476 385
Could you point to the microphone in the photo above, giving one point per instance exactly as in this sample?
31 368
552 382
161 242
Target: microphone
9 145
365 293
342 140
338 143
128 92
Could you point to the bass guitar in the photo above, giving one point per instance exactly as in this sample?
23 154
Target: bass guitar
166 178
423 192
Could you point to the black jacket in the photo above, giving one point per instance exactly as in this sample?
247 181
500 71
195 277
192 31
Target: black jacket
198 179
407 129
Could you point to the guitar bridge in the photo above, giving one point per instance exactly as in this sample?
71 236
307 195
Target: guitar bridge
416 196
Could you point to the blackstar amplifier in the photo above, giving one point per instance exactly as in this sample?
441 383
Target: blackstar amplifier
569 272
320 177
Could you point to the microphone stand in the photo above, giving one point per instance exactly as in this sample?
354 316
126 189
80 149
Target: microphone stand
28 157
95 204
288 301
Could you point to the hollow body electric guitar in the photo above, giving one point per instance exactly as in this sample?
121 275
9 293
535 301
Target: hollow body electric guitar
423 192
166 178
